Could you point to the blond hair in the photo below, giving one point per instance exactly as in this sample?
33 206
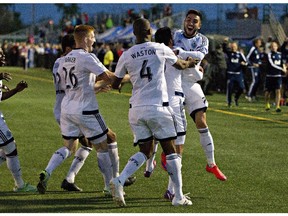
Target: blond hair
81 31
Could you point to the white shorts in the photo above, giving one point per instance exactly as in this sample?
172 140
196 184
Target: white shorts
194 98
6 136
149 121
92 126
177 104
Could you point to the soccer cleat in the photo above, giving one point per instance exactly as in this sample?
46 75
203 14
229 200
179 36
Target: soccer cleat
184 201
163 161
26 188
168 195
117 192
216 171
70 186
236 102
267 107
278 109
147 174
129 181
42 185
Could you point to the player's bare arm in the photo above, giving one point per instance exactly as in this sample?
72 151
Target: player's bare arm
5 76
20 87
183 64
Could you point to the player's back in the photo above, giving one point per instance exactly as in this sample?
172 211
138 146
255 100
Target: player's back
80 68
145 63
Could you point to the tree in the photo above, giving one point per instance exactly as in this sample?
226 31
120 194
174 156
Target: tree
68 9
9 20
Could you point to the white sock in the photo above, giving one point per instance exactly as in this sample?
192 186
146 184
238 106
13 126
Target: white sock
170 182
149 162
2 157
133 164
79 160
113 152
13 165
174 171
105 166
57 158
207 143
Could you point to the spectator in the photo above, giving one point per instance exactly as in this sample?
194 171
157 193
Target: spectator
273 77
235 62
254 63
108 57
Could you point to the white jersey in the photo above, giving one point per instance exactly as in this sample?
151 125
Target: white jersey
59 85
173 79
81 69
145 64
196 47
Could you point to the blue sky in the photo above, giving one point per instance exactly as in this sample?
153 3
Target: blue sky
45 10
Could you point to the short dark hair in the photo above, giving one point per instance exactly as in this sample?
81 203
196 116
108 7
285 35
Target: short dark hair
196 12
140 26
67 41
163 35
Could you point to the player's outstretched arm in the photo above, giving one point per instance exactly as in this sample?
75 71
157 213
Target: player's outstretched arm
5 76
183 64
20 87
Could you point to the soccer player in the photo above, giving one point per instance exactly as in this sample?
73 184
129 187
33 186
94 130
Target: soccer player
195 44
176 101
149 114
254 63
235 63
274 77
8 146
103 154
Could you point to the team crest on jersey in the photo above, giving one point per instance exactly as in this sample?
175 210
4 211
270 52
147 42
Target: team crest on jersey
56 65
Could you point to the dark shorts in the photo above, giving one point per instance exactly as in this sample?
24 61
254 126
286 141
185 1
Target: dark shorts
273 83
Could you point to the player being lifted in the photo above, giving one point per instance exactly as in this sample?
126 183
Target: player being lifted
195 45
189 42
150 114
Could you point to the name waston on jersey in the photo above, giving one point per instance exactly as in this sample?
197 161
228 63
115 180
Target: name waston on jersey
143 52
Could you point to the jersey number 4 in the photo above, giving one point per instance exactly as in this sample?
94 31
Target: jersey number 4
146 71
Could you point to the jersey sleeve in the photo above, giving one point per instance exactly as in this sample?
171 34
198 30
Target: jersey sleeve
170 56
121 70
94 65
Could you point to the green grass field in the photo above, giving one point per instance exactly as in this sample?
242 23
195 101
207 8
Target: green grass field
250 148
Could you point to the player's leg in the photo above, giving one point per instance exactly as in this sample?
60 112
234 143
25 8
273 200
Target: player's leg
113 151
114 157
104 162
59 156
207 143
241 88
133 164
13 165
9 149
267 93
151 162
2 157
79 160
229 89
277 99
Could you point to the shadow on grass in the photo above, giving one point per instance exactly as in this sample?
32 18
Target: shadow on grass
57 202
